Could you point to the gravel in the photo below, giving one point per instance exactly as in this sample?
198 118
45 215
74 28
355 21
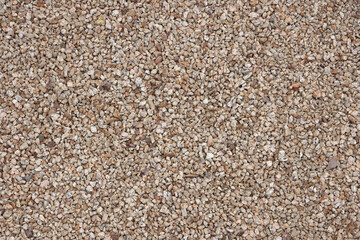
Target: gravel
179 119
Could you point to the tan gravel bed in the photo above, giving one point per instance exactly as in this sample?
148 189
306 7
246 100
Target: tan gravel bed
154 119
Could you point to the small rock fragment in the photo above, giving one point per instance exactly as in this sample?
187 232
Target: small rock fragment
332 163
138 81
288 20
29 232
164 209
158 60
352 120
247 75
70 84
210 141
114 236
295 87
209 156
282 155
93 129
253 15
287 236
108 25
191 175
317 94
100 20
7 214
51 144
106 86
44 183
28 177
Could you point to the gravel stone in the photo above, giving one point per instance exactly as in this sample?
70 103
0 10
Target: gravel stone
179 119
209 156
93 129
28 177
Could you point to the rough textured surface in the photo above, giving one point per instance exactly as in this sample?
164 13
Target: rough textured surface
179 119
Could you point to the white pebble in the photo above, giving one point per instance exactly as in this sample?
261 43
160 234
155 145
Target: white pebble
108 25
164 209
93 129
282 156
209 156
138 81
44 183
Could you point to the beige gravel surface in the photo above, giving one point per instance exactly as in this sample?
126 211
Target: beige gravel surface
205 119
